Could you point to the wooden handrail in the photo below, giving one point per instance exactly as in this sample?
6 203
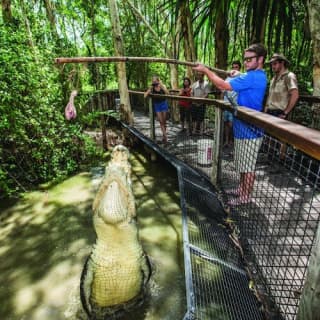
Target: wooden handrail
312 99
302 138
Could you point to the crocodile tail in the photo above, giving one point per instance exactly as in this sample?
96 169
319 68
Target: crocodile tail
84 293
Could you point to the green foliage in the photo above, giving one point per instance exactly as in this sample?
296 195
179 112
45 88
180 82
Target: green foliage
36 143
92 119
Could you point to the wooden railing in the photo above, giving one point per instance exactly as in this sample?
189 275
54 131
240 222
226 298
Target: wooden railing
302 138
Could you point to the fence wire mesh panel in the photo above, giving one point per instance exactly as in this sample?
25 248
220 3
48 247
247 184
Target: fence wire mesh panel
220 282
217 284
275 207
307 112
279 217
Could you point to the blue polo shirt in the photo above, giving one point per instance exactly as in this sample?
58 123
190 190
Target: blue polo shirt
251 88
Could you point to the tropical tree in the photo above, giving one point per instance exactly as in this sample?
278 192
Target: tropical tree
314 22
6 11
310 299
121 66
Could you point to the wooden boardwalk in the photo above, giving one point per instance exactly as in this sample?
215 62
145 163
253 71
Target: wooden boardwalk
278 227
180 144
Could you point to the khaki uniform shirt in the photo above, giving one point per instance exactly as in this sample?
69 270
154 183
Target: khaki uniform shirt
279 89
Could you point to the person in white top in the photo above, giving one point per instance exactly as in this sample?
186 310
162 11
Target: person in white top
199 89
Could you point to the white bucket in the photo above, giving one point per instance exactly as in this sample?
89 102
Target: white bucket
204 148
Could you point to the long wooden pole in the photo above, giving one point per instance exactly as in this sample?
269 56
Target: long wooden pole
63 60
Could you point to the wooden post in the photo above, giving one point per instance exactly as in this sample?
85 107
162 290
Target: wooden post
216 162
151 118
309 307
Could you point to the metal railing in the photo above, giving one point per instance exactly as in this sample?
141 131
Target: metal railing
276 227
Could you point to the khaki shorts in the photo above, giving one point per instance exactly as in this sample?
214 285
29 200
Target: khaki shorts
246 154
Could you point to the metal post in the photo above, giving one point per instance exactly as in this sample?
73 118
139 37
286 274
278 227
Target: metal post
103 122
151 117
186 251
309 307
215 176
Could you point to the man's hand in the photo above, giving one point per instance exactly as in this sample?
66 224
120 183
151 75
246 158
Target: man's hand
200 68
234 73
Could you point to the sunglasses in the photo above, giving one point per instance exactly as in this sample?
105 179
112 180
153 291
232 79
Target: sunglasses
249 59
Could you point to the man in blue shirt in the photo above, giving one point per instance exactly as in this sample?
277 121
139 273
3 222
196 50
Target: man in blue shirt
251 87
227 115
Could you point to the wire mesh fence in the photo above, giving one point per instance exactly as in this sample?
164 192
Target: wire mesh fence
271 192
217 283
279 223
307 112
220 283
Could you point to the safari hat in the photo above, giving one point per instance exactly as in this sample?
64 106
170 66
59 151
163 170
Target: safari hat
279 57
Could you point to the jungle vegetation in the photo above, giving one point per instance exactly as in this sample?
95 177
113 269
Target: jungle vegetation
37 143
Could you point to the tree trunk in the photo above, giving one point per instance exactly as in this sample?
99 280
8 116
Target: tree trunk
6 11
121 66
260 9
187 34
222 35
52 19
309 307
29 32
314 24
174 76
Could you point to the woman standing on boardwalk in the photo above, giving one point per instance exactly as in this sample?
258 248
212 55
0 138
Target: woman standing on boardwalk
185 106
160 104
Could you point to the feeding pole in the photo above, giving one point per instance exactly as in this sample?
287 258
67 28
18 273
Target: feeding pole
63 60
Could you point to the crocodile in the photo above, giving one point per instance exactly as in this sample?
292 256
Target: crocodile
115 276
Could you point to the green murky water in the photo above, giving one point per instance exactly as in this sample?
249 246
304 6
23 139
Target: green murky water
46 236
